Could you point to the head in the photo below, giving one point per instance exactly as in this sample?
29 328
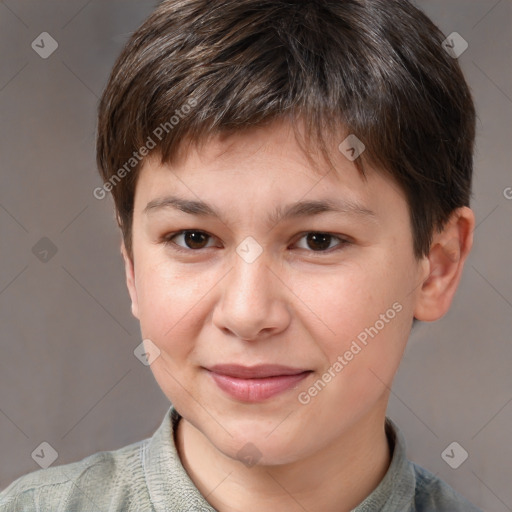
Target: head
241 108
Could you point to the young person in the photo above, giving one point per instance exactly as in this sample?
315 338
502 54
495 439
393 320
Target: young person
292 183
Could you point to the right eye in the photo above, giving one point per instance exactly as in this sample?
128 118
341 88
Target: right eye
191 240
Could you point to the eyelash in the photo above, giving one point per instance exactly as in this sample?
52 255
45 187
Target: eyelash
166 240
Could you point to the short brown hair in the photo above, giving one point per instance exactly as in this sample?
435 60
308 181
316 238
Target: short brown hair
376 66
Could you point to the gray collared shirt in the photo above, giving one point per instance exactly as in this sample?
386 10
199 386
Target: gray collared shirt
149 476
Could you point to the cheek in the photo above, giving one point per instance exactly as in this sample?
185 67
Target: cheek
345 301
169 305
168 302
363 311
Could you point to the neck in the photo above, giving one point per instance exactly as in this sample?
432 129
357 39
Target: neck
335 479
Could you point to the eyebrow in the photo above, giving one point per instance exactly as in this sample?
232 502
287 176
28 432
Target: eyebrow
281 213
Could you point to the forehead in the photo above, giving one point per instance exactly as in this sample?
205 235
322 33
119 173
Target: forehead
267 163
280 139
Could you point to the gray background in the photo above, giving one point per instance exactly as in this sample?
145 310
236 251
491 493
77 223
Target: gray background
68 375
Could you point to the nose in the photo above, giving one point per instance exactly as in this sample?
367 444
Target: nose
253 301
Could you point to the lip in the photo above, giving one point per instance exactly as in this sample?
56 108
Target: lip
256 383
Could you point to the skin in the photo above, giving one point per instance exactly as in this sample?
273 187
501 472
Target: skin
293 305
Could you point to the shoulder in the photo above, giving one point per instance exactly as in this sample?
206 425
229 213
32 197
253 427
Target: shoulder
89 484
432 493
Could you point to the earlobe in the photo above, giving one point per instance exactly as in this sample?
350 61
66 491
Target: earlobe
449 251
130 280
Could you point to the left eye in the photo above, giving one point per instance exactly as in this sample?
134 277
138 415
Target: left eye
320 242
191 240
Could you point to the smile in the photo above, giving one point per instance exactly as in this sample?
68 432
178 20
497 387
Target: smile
256 384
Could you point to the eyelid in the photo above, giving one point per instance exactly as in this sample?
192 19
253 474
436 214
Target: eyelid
343 240
167 240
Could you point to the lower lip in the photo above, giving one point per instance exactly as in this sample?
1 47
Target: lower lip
256 390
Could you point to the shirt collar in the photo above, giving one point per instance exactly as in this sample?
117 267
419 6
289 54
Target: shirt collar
169 486
171 489
396 490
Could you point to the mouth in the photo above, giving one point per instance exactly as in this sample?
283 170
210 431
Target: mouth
256 383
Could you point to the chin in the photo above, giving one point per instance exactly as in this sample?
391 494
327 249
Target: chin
254 446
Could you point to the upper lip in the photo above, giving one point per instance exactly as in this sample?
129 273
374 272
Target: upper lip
255 372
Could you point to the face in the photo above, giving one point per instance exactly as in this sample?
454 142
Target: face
327 291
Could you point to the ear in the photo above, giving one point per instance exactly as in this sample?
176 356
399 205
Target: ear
448 253
129 269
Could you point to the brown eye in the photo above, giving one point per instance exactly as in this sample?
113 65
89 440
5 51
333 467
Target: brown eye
189 240
320 242
195 239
